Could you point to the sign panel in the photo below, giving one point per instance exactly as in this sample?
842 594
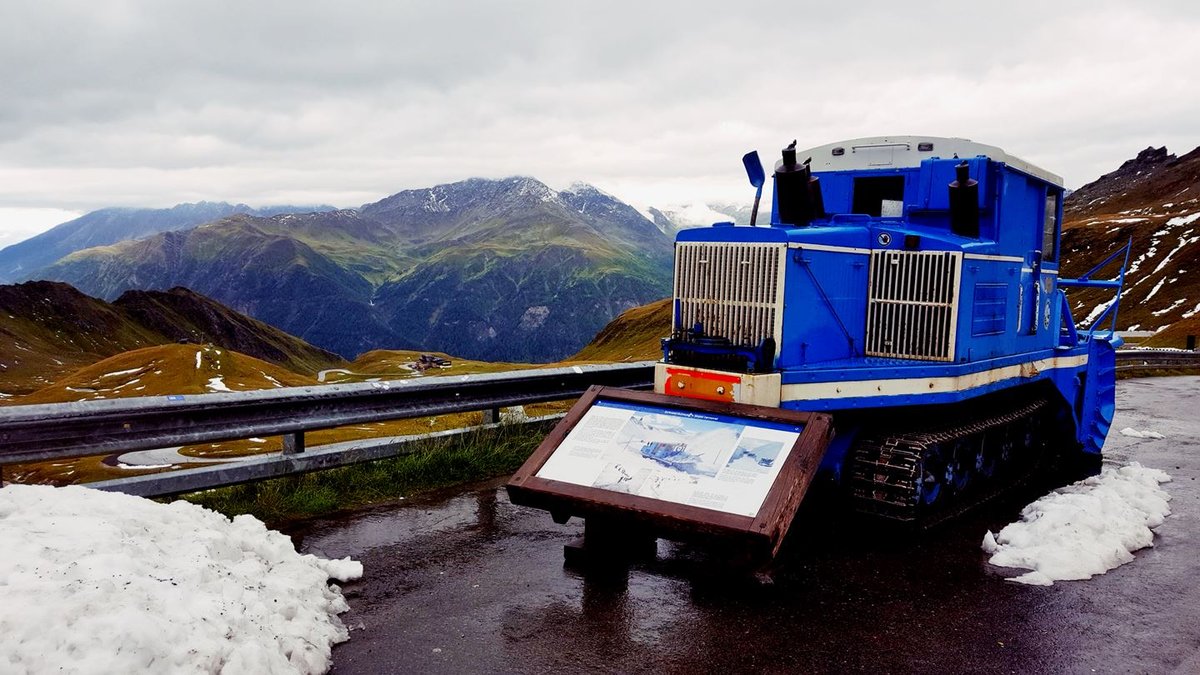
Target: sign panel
700 459
674 467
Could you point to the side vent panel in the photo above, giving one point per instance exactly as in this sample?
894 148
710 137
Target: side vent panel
912 310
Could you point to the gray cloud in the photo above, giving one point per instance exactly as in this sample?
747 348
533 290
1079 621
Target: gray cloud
132 102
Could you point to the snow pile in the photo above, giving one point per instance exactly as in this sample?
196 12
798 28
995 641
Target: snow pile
217 384
1140 433
109 583
1084 529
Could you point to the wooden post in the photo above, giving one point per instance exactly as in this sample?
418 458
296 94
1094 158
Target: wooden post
293 443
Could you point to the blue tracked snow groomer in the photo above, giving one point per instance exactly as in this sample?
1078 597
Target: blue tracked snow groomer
910 287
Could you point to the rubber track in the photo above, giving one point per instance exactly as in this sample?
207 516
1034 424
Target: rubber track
885 470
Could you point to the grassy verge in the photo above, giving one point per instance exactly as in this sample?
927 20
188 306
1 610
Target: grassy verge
433 464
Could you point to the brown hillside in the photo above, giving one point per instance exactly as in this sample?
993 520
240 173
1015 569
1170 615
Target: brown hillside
184 315
164 370
632 336
1153 199
49 329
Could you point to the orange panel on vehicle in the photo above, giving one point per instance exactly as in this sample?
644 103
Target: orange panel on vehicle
705 386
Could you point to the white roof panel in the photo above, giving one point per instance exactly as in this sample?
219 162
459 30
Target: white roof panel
881 152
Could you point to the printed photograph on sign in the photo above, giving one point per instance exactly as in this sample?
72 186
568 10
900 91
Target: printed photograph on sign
709 461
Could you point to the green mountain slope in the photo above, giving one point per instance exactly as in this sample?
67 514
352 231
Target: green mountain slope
499 270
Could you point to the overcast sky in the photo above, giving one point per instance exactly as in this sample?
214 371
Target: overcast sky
155 102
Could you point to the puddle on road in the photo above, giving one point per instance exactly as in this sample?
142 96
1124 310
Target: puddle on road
397 523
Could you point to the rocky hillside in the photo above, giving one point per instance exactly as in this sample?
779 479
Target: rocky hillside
503 270
1153 199
50 329
108 226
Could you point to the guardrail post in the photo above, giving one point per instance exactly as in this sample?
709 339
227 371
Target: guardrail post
293 443
491 416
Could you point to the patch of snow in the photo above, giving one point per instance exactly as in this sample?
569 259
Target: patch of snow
1128 221
120 372
1096 312
1192 312
1084 529
1184 240
217 384
1140 433
198 353
1175 304
1154 290
129 585
123 465
1184 220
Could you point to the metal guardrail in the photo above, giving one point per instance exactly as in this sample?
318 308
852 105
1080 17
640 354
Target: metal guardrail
1134 360
40 432
277 465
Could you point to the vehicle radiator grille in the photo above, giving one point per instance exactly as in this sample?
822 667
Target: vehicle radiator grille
912 310
734 291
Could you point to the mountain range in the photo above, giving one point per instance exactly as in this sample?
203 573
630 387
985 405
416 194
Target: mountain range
109 226
503 270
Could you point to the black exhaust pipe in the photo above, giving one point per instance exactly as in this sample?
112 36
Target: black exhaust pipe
964 203
797 191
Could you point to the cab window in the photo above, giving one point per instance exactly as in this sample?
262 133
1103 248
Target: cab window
1050 226
879 196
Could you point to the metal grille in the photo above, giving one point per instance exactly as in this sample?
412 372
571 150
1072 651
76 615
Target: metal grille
734 291
912 311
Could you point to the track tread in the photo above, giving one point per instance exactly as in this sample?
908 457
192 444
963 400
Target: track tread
885 469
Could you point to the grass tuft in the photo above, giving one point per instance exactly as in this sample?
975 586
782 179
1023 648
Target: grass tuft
435 463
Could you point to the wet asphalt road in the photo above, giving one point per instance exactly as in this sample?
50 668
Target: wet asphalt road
468 583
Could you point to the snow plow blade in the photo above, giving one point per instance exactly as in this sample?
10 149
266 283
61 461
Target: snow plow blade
637 466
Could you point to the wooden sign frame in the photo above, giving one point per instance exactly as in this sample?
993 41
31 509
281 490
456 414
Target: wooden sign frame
762 533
